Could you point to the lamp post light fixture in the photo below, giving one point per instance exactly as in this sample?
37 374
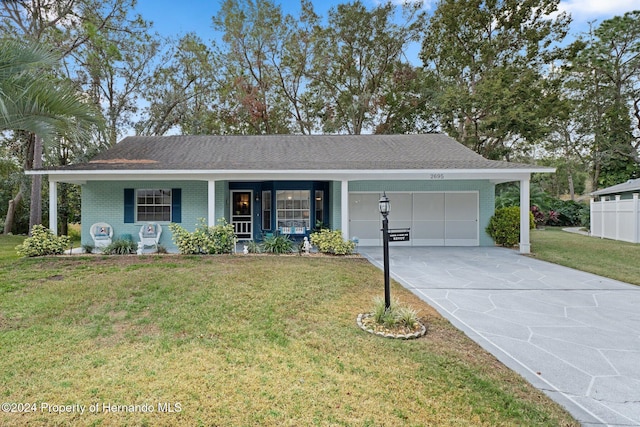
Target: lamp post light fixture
384 206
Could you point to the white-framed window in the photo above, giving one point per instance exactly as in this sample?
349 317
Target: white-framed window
293 208
153 205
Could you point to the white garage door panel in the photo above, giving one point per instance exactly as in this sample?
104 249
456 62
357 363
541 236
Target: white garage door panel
364 207
401 209
428 230
428 233
461 228
428 219
366 230
461 206
435 219
461 233
365 223
428 206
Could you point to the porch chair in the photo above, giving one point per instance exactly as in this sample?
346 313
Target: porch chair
101 233
150 235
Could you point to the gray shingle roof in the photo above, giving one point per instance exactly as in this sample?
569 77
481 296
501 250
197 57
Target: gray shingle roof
291 152
631 185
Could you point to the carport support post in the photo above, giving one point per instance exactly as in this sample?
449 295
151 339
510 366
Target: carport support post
53 207
211 202
525 245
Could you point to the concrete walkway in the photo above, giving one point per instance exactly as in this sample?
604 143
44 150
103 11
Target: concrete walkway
574 335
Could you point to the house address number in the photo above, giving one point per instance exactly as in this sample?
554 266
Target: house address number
436 176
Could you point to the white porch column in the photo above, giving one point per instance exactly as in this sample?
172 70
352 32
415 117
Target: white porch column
344 209
525 245
53 207
211 202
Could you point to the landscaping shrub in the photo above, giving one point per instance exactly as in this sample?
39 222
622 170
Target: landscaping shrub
215 239
74 234
396 315
504 226
42 242
184 240
332 242
253 247
121 247
280 244
571 214
544 218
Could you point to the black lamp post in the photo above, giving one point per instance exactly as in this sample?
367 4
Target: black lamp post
384 207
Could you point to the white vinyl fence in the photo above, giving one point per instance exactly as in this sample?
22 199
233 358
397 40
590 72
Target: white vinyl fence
616 219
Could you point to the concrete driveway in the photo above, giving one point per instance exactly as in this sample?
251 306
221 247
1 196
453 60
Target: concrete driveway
574 335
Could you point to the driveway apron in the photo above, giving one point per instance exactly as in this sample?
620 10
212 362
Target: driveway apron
573 335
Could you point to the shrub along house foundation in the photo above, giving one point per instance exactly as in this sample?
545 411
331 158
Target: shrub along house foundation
288 184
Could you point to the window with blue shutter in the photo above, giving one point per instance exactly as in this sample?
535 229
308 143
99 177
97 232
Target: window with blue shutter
129 205
176 205
152 205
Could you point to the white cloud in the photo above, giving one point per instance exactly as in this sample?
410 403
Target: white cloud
426 4
597 9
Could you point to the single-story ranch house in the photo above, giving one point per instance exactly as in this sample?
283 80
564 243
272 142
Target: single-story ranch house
441 190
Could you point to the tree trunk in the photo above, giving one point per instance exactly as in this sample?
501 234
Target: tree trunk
11 212
571 189
35 214
63 213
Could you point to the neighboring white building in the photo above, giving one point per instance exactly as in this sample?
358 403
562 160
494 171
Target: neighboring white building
615 212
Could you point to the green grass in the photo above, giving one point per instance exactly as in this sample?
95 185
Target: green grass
609 258
237 341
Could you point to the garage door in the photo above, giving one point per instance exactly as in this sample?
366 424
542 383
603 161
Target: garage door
435 219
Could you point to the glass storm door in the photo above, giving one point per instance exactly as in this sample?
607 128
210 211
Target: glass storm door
241 214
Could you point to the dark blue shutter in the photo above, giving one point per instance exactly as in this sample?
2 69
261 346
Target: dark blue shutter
176 205
129 205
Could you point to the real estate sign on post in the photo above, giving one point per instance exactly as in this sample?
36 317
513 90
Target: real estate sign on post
399 235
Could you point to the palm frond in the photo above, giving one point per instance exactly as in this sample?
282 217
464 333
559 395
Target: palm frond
31 99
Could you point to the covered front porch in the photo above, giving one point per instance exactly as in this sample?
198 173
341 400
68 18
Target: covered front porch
261 208
257 207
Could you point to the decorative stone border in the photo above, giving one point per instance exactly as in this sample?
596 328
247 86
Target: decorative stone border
413 335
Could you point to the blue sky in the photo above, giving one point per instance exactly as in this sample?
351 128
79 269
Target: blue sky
174 18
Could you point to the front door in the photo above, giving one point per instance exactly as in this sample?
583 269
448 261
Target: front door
241 214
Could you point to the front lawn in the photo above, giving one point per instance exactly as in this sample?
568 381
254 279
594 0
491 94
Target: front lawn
235 341
610 258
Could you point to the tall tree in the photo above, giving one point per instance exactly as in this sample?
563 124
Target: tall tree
293 70
355 57
604 80
255 80
488 57
112 66
183 91
254 32
408 105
